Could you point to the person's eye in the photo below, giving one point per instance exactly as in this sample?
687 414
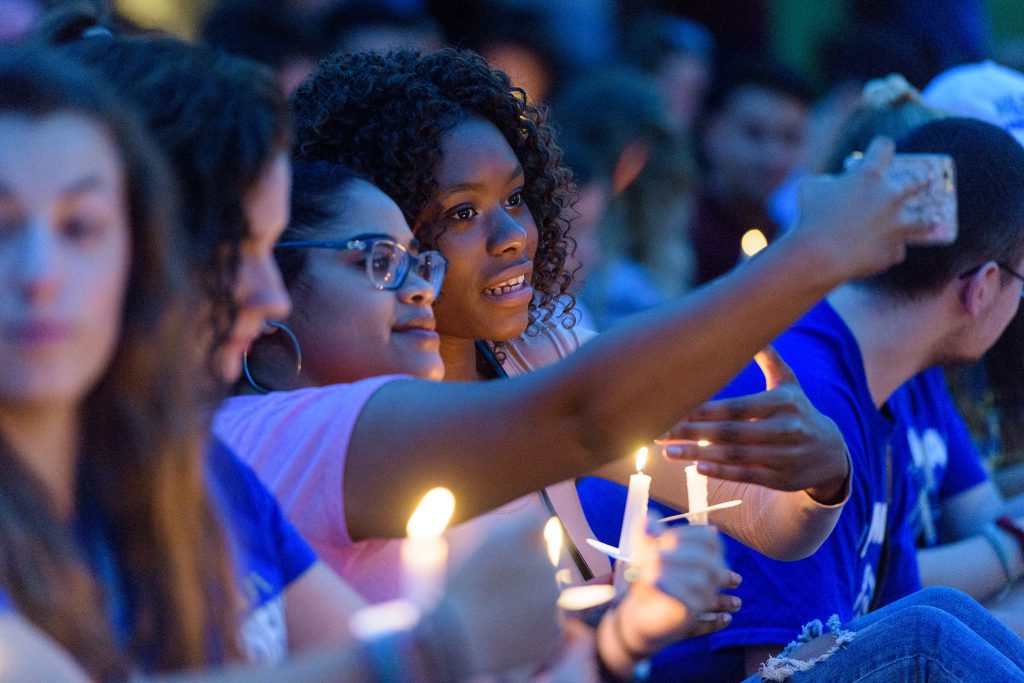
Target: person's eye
80 228
515 200
9 225
462 213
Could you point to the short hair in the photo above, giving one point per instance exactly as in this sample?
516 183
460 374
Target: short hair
990 206
385 116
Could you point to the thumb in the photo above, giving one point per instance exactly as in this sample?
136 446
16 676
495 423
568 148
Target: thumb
879 154
775 370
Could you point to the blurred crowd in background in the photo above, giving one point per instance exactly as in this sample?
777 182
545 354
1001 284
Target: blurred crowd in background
685 122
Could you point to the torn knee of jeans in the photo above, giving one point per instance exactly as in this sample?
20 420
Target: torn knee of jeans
784 665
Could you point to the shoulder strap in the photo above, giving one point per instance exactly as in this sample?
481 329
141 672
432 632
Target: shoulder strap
484 349
883 558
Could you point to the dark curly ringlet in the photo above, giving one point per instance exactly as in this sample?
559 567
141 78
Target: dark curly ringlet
990 206
385 115
140 467
221 120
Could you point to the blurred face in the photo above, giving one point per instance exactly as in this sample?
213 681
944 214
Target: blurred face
349 330
488 235
64 257
259 292
754 142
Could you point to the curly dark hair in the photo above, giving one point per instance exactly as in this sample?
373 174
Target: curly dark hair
384 116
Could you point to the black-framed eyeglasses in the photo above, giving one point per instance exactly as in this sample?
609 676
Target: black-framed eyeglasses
388 263
1003 267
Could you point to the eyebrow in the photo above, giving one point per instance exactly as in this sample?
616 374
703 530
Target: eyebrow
86 184
452 189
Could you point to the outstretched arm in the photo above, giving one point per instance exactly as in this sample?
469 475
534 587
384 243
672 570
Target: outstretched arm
495 441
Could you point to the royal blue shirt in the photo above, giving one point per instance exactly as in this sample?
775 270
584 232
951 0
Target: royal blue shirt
267 552
941 457
842 576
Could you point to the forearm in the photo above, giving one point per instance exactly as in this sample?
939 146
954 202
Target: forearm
784 525
982 576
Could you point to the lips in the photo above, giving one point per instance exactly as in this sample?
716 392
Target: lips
510 280
422 324
39 331
507 286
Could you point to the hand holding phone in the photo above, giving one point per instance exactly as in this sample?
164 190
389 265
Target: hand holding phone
937 202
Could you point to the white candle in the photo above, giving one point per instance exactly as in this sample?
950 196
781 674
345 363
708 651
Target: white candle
696 494
634 520
425 551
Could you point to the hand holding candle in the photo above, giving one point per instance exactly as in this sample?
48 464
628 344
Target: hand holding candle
425 551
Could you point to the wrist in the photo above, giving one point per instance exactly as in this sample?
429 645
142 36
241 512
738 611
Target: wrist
836 491
439 635
1010 527
618 657
817 265
391 650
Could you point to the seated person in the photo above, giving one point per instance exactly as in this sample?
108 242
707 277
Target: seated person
850 355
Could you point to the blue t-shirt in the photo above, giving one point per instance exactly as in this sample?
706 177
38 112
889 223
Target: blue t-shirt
841 577
267 552
5 604
941 457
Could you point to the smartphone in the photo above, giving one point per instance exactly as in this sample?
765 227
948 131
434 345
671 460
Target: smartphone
937 201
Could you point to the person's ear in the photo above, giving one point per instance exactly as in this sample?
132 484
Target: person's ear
979 290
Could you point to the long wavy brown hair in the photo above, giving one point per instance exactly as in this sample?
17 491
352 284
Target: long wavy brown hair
141 463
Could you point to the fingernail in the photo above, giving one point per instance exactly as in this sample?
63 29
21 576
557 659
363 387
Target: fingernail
677 452
727 618
735 603
736 578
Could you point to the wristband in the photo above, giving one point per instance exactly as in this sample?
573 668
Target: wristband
992 536
386 633
641 668
1009 525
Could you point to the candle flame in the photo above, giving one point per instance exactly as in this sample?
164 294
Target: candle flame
703 442
641 459
753 241
553 536
432 514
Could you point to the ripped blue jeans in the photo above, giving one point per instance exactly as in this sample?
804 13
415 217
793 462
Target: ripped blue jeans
937 634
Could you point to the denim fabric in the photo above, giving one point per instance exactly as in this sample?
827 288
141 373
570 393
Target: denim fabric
937 634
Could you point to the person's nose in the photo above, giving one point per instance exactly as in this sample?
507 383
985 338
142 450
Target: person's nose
416 289
37 264
266 291
507 235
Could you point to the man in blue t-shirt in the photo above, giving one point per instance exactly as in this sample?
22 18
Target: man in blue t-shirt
851 355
